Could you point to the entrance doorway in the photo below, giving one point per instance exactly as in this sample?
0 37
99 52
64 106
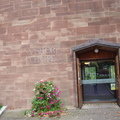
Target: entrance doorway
98 80
97 72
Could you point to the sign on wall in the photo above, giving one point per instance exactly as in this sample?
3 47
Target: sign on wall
42 55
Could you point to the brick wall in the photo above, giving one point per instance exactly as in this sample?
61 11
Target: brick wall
30 29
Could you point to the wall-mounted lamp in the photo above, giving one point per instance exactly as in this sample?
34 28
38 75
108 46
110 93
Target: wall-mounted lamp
86 63
96 50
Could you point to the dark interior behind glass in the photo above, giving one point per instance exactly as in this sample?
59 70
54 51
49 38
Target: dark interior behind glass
98 79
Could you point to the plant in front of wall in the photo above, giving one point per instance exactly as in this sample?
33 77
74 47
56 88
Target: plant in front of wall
46 101
1 106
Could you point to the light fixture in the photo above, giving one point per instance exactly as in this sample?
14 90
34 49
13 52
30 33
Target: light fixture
96 50
86 63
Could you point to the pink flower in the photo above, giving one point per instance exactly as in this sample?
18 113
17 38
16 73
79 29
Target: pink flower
48 95
42 107
55 112
40 113
51 102
55 88
54 91
45 91
40 98
32 115
47 106
57 100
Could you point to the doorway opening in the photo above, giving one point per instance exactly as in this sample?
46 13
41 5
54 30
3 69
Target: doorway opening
98 80
97 72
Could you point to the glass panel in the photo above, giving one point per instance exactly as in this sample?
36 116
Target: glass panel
98 79
90 73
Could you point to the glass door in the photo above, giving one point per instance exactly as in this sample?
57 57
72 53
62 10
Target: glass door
98 80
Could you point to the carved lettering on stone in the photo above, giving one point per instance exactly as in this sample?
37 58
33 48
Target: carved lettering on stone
42 55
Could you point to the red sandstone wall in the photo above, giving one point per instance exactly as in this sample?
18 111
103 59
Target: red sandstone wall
27 26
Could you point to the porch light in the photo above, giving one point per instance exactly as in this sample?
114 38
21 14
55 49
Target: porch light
96 50
86 63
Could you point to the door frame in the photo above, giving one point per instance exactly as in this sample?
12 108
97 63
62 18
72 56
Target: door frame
110 46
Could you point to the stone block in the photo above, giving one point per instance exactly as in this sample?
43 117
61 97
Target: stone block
81 41
52 33
21 22
67 44
59 24
68 32
77 23
115 19
38 3
45 10
6 24
43 26
89 36
20 86
99 21
11 15
83 0
95 6
24 5
6 8
30 86
56 18
118 27
88 30
76 7
58 9
28 94
14 29
20 36
70 75
108 3
53 2
30 12
63 51
22 103
5 63
108 28
111 39
11 69
89 15
25 69
3 2
2 31
67 1
65 13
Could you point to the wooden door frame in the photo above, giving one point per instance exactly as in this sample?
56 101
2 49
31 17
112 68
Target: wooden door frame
117 61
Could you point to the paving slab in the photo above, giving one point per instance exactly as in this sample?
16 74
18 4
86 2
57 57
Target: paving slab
88 112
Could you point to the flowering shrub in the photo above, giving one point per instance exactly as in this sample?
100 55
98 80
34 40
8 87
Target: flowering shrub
47 100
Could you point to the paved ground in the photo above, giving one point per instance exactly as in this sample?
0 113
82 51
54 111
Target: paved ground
88 112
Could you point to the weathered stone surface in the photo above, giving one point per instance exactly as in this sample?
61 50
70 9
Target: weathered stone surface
53 2
38 3
45 10
24 5
95 6
88 30
58 24
108 28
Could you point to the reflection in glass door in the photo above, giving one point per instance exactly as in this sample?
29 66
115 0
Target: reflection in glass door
98 79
